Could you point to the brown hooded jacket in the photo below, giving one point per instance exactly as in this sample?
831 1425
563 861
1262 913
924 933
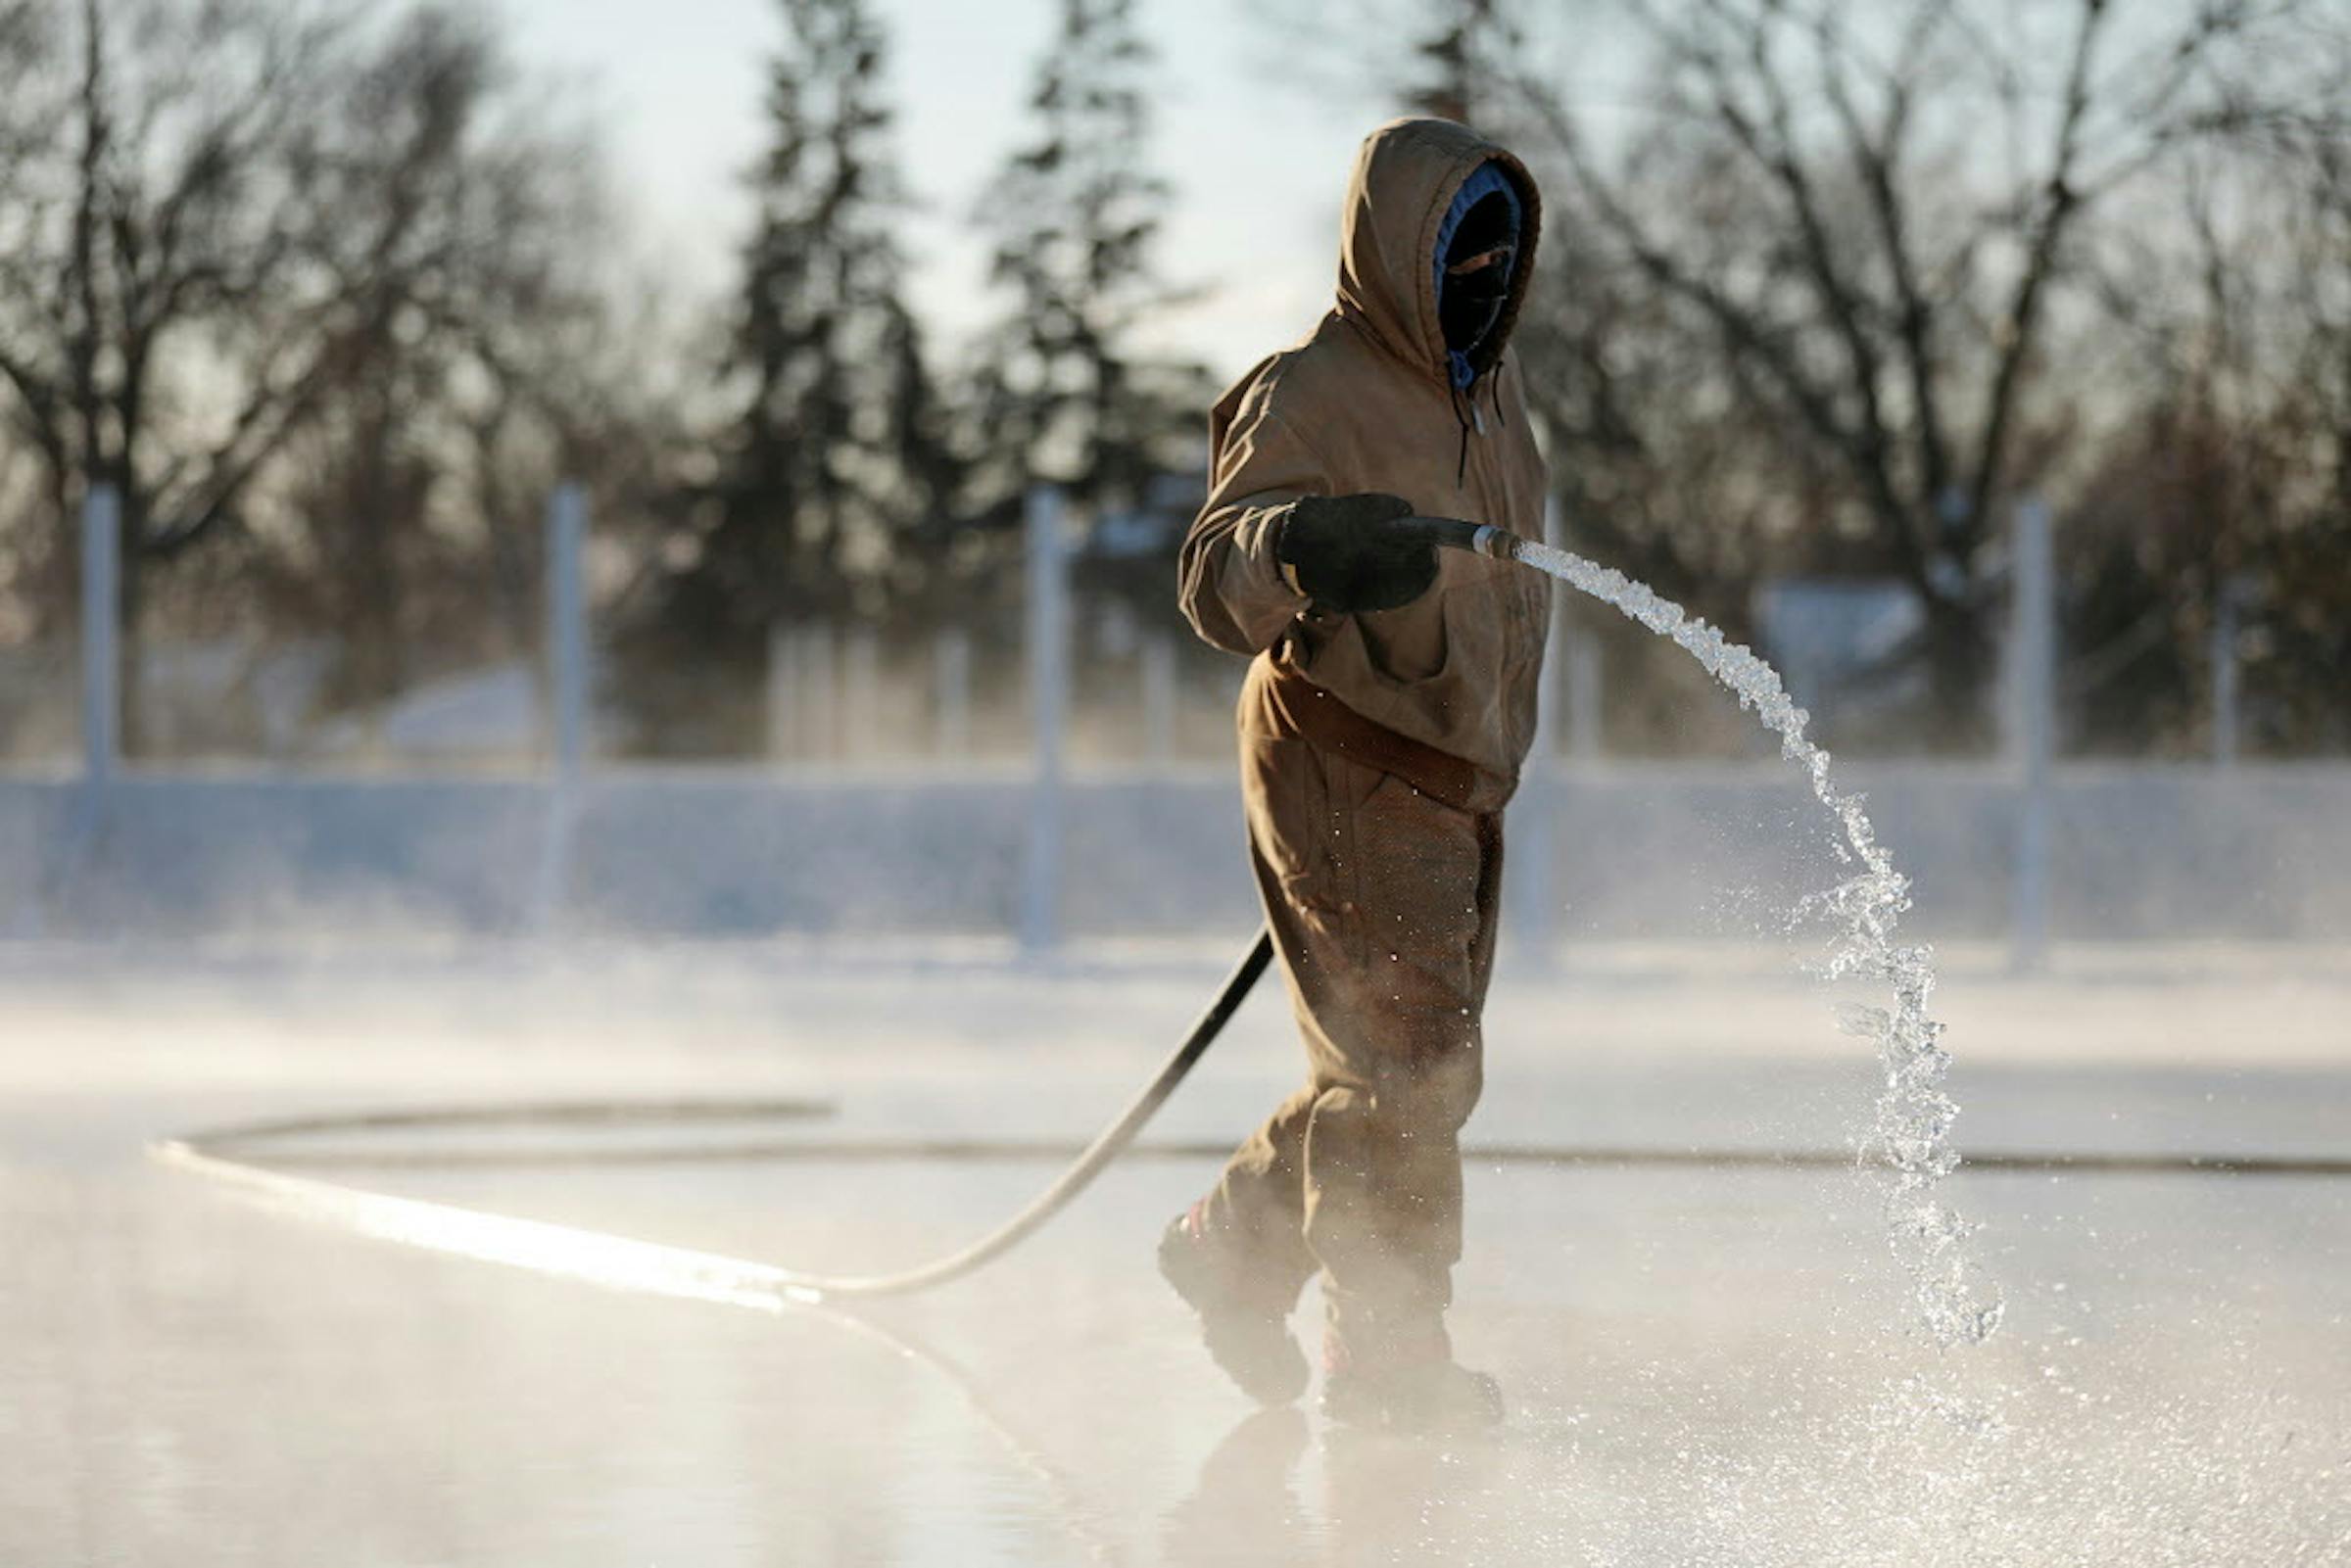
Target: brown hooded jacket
1440 690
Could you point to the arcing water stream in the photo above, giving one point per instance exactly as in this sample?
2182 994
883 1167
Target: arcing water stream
1910 1133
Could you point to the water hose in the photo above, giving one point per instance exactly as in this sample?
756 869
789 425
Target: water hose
1107 1145
409 1220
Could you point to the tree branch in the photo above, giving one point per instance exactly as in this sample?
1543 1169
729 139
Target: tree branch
1749 338
1869 447
1876 154
2060 202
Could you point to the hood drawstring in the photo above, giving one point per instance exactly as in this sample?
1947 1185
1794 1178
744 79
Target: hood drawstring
1462 416
1464 412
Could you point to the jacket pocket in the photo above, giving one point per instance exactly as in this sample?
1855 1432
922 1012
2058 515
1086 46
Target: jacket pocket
1412 643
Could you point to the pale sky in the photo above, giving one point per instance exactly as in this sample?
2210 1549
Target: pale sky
1259 172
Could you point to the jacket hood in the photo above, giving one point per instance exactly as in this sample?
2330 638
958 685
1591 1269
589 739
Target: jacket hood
1405 178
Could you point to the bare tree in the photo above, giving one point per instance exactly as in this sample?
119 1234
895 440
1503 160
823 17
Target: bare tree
477 327
239 223
1849 232
2303 560
144 238
2230 482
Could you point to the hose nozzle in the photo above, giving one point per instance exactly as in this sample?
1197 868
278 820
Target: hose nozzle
1456 533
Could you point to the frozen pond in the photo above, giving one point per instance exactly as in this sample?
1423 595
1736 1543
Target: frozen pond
1703 1366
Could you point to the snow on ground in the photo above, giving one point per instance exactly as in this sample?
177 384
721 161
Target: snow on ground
1704 1365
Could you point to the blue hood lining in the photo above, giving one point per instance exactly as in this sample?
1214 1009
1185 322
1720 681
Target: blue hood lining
1487 179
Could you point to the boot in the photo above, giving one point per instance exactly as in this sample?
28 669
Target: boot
1247 1330
1432 1393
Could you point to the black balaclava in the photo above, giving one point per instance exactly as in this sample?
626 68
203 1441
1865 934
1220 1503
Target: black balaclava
1471 304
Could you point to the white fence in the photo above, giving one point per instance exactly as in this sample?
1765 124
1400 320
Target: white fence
2024 851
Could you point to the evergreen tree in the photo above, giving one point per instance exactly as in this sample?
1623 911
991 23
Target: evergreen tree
1065 398
1455 48
837 460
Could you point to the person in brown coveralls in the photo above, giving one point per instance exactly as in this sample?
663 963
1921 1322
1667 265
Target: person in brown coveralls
1389 703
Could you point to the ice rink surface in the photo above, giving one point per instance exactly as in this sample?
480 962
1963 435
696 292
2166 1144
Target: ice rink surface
1703 1366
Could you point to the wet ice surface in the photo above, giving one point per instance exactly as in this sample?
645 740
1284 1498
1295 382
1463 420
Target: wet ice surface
1703 1368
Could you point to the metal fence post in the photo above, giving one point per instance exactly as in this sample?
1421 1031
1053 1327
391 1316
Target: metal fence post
1159 696
101 613
568 687
2226 619
101 708
1536 830
567 626
783 707
952 675
2033 644
819 669
1048 703
1584 742
861 693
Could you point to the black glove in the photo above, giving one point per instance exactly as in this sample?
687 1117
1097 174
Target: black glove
1344 555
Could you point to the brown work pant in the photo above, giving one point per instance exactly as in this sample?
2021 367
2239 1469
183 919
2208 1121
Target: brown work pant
1382 901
